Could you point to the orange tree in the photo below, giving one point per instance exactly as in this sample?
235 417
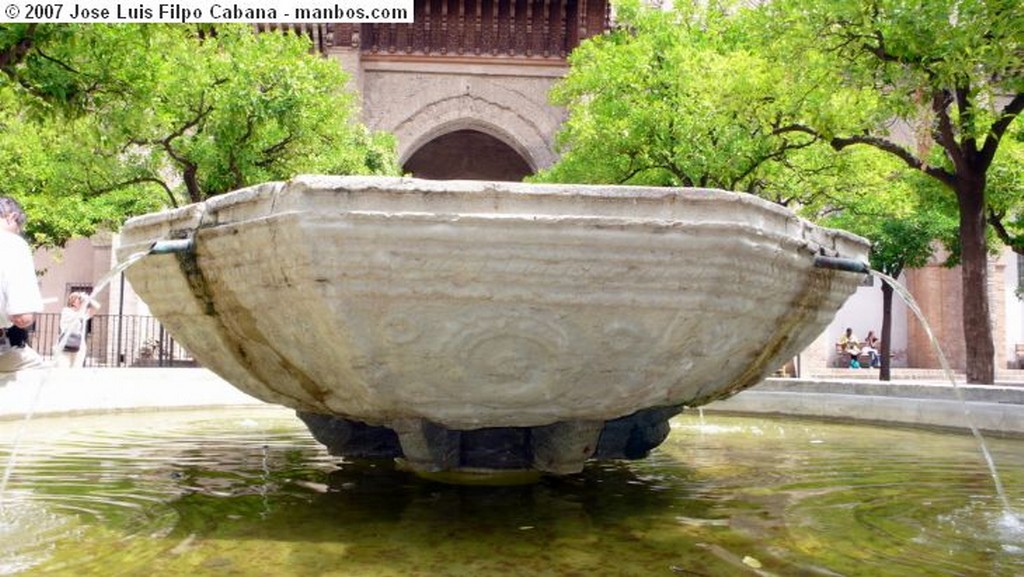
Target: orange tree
938 84
754 98
104 121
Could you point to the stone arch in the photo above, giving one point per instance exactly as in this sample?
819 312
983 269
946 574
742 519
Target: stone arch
468 154
520 128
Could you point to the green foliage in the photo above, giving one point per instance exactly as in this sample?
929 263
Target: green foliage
108 121
1006 189
677 98
750 96
892 206
48 167
948 84
899 240
905 54
714 95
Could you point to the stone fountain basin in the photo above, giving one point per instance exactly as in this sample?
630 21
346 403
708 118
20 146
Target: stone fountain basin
469 305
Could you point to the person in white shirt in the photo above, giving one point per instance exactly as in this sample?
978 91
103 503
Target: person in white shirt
20 299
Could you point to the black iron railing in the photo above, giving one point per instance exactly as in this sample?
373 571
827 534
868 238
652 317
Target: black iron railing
116 341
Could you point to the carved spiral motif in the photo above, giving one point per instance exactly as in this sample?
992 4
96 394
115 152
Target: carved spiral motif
511 357
399 329
623 335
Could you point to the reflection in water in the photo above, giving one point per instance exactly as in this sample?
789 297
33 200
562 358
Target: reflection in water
250 493
12 451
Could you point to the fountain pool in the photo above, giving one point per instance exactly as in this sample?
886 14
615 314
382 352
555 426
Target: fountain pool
246 491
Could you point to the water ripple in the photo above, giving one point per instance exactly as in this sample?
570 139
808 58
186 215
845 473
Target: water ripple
252 493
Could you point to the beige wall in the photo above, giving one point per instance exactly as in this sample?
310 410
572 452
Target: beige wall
79 263
1013 312
419 100
85 262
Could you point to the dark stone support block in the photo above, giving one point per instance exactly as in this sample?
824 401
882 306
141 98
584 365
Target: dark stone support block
432 447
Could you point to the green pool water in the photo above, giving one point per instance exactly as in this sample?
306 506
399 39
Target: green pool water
248 492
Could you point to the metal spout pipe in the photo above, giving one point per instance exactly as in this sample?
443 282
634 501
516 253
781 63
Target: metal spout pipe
843 264
173 245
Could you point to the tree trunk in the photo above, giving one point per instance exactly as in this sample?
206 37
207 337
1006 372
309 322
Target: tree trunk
977 322
884 372
189 175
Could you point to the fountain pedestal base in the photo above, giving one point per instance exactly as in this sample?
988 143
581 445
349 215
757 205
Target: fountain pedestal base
516 453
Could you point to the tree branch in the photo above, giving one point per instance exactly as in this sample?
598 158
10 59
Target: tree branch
885 145
1010 112
189 168
776 154
944 133
269 153
965 112
995 219
59 63
233 167
98 191
16 53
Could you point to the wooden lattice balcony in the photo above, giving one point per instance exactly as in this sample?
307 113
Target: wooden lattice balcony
517 29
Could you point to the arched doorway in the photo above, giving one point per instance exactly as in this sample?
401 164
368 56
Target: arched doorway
468 155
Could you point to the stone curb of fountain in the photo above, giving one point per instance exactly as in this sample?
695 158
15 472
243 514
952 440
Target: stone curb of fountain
995 408
61 392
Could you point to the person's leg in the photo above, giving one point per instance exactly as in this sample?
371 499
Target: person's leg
79 357
63 359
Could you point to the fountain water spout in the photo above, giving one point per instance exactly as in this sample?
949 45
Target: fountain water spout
843 264
174 245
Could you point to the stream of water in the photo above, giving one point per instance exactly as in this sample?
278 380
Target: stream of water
12 458
1011 517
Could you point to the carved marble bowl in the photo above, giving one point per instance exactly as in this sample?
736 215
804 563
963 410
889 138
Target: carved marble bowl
429 315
